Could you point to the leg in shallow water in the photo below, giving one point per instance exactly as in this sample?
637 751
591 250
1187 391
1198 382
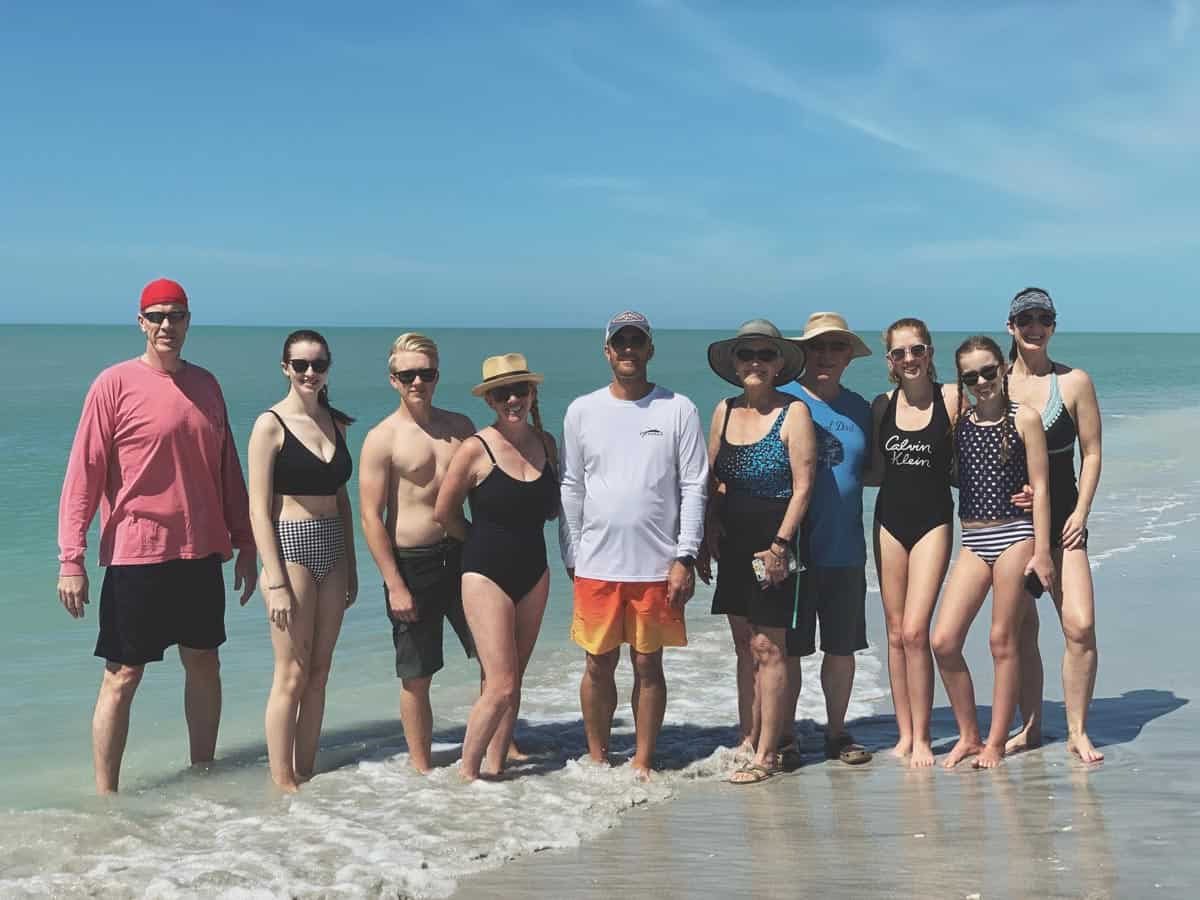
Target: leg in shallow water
748 712
649 706
293 660
926 568
965 592
327 625
492 616
1010 602
1075 601
1032 684
892 567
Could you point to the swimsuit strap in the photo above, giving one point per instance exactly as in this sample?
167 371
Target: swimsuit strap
491 456
277 416
728 409
1054 403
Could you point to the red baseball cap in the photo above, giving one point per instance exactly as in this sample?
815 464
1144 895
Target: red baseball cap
164 290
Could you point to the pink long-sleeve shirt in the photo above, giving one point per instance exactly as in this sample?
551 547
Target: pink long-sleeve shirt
155 452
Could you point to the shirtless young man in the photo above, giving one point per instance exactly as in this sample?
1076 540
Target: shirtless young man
404 459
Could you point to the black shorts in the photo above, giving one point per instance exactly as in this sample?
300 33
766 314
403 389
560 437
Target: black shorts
750 524
837 596
145 609
434 578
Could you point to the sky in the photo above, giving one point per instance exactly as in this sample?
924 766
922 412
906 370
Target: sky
548 164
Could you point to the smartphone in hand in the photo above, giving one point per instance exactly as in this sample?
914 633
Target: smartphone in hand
1034 585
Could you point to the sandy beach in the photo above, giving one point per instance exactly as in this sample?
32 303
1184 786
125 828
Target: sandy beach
1043 825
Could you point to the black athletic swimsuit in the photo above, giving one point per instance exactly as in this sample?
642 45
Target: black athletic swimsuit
1060 445
915 495
505 541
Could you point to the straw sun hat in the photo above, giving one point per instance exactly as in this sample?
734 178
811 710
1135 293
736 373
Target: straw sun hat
508 368
720 353
831 323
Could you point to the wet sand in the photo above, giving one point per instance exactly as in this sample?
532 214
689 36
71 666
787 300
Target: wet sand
1043 825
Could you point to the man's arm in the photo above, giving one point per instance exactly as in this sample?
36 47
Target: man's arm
235 503
570 523
374 480
693 484
83 486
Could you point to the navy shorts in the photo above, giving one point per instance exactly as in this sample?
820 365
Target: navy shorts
145 609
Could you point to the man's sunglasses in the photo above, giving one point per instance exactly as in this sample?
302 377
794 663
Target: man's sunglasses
819 346
917 351
408 376
300 366
501 394
174 316
987 373
764 354
632 341
1025 319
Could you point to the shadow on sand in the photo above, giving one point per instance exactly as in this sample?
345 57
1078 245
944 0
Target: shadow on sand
551 745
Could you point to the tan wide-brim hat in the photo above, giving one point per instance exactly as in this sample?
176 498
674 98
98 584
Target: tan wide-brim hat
720 353
509 368
831 323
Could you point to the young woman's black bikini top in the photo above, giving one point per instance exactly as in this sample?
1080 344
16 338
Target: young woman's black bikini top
512 504
300 472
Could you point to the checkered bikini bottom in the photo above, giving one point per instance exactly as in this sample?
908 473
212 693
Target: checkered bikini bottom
316 544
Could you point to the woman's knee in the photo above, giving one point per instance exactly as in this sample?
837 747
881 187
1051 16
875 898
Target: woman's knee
895 633
502 691
291 678
915 639
318 675
1079 631
1004 643
946 646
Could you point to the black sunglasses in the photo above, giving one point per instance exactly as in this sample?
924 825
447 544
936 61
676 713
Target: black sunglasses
987 373
918 351
174 316
408 376
300 366
634 341
764 354
501 394
1045 319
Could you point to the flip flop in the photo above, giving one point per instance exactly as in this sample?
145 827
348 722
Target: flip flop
753 774
844 748
789 756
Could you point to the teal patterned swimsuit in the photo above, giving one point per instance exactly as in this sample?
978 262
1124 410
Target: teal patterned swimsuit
761 469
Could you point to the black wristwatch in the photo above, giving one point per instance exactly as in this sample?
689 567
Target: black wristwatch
688 561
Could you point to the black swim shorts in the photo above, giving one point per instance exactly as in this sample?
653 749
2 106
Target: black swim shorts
434 578
145 609
837 597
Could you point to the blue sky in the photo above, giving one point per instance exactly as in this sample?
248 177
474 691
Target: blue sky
486 163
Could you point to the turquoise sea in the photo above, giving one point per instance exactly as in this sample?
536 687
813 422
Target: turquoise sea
366 826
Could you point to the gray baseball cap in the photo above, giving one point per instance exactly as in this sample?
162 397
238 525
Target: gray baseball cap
629 318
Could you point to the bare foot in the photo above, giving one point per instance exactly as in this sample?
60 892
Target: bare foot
1081 746
420 770
961 751
902 749
922 755
989 757
1025 739
288 787
515 754
745 750
641 773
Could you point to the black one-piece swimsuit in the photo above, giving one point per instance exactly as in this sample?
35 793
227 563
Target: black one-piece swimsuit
915 495
505 541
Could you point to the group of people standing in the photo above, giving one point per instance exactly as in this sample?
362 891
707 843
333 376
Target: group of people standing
775 501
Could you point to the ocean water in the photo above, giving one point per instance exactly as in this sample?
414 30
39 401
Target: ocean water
367 826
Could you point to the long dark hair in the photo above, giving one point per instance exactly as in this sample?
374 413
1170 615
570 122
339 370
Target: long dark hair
307 334
983 342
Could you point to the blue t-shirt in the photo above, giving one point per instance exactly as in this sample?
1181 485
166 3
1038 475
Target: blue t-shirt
833 525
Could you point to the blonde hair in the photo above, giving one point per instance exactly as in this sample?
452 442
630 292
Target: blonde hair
412 342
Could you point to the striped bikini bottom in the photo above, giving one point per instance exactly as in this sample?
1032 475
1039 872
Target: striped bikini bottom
990 541
316 544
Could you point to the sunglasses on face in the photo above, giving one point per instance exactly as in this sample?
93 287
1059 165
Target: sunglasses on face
408 376
174 316
300 366
1025 319
833 346
765 354
987 373
916 351
631 341
501 394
